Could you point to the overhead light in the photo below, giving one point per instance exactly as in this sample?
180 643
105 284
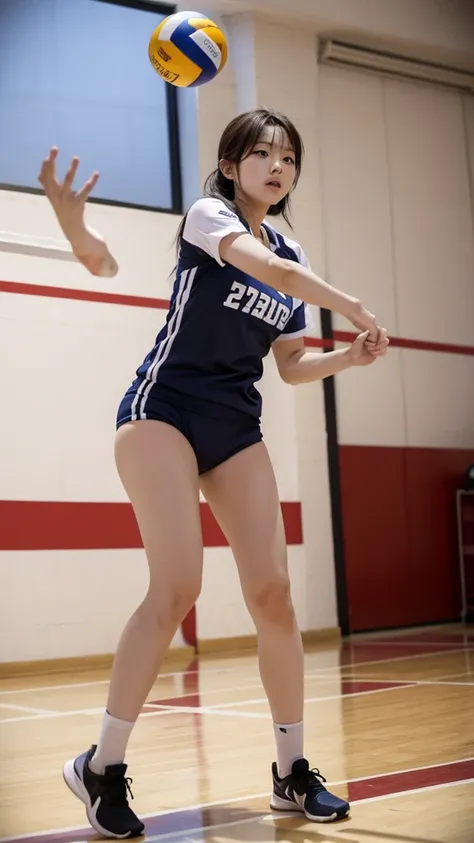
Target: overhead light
350 55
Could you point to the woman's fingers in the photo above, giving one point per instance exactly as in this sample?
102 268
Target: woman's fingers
47 175
84 192
70 175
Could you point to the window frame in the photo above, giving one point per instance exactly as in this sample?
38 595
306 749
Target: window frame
171 94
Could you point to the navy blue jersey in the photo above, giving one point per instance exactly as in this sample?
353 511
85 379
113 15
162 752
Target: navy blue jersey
221 322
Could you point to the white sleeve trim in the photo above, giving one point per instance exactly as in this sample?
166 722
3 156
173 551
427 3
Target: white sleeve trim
308 328
296 335
208 222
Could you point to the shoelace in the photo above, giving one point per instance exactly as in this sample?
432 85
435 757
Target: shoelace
311 780
117 790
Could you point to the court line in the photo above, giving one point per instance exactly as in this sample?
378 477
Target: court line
203 671
27 708
33 689
195 709
404 684
262 700
223 709
391 660
229 709
322 673
440 678
184 835
202 805
210 691
433 682
164 710
436 680
402 643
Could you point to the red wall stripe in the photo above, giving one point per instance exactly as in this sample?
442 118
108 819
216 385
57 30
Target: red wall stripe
418 345
66 525
21 288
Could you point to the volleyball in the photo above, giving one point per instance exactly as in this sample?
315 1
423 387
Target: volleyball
187 49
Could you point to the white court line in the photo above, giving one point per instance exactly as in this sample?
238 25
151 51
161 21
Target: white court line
262 700
437 680
202 805
212 691
402 681
440 678
341 667
210 709
402 643
229 709
223 709
33 689
164 710
202 671
183 835
27 708
53 716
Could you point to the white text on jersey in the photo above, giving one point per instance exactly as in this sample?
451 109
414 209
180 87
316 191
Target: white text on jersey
258 304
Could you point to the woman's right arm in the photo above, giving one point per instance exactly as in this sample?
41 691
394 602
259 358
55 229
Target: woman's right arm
249 255
87 245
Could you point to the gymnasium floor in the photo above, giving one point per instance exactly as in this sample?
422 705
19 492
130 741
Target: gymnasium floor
389 721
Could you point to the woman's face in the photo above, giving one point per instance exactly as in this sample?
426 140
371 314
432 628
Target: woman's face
267 174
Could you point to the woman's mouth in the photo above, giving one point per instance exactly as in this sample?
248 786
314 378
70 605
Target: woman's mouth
274 183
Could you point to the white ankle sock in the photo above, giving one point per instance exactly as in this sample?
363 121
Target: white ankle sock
112 744
289 742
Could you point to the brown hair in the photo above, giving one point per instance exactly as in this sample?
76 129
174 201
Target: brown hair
237 141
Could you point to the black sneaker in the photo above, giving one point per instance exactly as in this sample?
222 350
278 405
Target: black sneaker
303 791
105 797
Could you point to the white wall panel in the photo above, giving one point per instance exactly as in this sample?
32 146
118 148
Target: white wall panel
439 399
59 604
69 364
432 222
370 403
356 192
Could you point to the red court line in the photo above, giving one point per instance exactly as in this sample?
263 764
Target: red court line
411 780
353 654
187 820
22 288
68 525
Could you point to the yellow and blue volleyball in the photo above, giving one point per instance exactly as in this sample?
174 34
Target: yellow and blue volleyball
187 49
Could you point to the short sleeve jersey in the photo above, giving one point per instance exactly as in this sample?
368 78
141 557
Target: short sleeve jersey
221 322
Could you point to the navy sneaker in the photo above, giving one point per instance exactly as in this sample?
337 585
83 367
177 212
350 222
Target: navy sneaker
303 790
105 797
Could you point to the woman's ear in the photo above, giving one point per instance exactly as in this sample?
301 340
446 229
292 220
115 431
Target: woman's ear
226 168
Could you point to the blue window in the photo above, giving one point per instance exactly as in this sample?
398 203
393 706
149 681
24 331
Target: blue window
76 74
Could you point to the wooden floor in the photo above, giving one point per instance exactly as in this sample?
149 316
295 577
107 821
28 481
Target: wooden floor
389 721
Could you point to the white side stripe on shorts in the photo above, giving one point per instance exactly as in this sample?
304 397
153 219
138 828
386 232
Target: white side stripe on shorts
184 290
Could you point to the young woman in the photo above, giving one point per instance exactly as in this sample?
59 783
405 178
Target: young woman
191 420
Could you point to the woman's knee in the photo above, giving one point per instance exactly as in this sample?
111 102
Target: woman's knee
167 606
271 601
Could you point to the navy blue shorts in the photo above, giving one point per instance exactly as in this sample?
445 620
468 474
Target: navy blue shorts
213 438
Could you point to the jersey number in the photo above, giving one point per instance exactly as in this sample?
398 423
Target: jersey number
260 305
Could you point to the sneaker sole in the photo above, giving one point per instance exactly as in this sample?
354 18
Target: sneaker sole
278 804
76 785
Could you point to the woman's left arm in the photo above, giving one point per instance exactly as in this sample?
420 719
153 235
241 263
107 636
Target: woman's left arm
296 365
